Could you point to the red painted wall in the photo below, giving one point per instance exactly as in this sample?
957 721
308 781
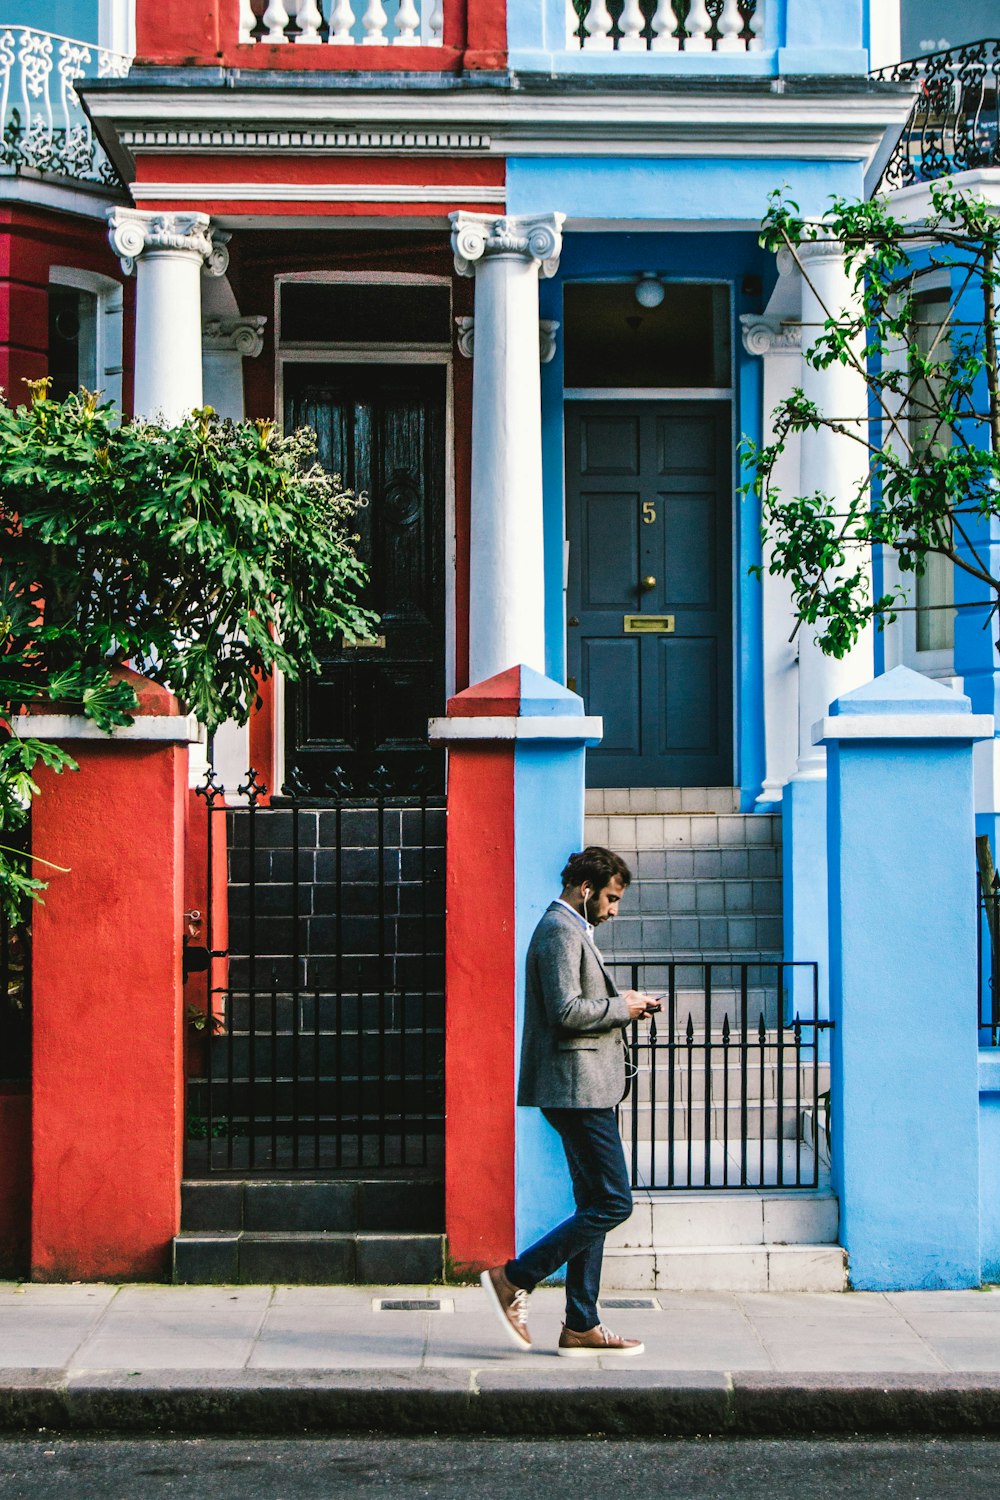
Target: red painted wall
204 33
479 1018
107 1022
31 242
15 1179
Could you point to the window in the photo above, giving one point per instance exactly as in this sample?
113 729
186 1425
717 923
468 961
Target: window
935 587
85 333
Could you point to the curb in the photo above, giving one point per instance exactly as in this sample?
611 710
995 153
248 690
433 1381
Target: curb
493 1404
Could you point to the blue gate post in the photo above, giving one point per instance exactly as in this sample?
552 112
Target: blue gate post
905 1085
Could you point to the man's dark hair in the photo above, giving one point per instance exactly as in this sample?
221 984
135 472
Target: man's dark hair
597 866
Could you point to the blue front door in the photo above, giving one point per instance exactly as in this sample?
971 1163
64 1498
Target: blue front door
649 611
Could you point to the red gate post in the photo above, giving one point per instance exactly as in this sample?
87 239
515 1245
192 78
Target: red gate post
108 1035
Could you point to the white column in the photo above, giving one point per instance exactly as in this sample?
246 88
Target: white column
835 465
507 570
226 343
168 251
778 345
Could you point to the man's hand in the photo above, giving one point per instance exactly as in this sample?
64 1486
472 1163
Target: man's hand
640 1005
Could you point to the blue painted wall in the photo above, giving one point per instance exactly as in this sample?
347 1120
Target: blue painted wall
548 827
989 1163
73 18
902 996
724 190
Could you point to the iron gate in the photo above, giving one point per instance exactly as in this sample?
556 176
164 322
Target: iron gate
730 1083
315 982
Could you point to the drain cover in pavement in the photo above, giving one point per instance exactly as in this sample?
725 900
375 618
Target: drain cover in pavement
649 1303
413 1304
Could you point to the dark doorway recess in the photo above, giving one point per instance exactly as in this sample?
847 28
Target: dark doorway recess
359 727
649 618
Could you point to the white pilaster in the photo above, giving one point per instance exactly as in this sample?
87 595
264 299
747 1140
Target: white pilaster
834 464
168 251
226 343
778 344
507 582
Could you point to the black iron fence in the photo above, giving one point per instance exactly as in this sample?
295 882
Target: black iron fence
318 1043
955 121
988 967
729 1084
15 1001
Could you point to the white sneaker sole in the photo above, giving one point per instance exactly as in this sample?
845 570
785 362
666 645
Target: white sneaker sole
505 1323
600 1353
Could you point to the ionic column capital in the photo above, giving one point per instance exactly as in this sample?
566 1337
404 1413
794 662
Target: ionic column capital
478 237
243 336
763 335
824 248
133 232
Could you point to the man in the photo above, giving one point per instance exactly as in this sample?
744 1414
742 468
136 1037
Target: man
573 1069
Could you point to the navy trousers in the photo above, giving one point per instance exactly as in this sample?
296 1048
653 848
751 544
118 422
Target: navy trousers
603 1197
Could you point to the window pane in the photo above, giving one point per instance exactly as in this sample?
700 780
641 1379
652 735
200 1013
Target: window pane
611 340
72 340
317 312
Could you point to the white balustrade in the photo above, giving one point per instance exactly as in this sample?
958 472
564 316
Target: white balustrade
337 23
309 19
726 26
42 123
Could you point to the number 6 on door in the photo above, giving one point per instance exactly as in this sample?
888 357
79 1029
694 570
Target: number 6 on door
648 512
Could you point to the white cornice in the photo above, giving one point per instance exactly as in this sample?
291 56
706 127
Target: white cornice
248 139
506 123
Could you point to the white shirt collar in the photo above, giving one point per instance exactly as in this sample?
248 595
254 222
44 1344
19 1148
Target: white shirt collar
587 926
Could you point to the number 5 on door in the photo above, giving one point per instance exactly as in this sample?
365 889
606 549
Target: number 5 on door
648 512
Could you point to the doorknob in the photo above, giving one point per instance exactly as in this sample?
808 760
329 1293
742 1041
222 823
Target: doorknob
647 583
572 620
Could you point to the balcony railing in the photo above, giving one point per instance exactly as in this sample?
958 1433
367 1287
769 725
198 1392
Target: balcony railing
955 121
688 26
44 125
338 23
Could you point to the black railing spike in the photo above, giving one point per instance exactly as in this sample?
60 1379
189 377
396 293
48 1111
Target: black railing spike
725 1030
689 1033
761 1030
211 788
252 788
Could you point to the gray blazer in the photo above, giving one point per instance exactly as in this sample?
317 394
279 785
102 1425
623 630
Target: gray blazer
572 1049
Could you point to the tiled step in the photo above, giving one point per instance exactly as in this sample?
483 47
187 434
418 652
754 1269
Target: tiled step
410 1203
734 1268
306 1257
631 934
758 1083
628 833
602 801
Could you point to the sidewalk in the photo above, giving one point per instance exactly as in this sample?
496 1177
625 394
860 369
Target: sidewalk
294 1359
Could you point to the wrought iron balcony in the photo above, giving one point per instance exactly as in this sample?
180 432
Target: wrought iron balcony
43 123
688 26
955 121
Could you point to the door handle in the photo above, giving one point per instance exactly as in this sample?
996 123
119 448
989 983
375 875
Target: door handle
572 620
647 583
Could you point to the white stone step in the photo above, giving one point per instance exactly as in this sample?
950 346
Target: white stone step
665 1220
727 1268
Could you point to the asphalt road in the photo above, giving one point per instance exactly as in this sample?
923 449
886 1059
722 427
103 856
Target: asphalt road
47 1468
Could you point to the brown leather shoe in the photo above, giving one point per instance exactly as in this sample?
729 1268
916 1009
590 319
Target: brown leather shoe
511 1305
599 1340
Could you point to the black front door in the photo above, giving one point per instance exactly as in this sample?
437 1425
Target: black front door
360 726
649 616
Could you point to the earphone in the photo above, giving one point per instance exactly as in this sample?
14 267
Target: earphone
585 892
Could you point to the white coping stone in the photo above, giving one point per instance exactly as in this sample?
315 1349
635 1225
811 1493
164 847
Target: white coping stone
559 727
176 728
903 727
